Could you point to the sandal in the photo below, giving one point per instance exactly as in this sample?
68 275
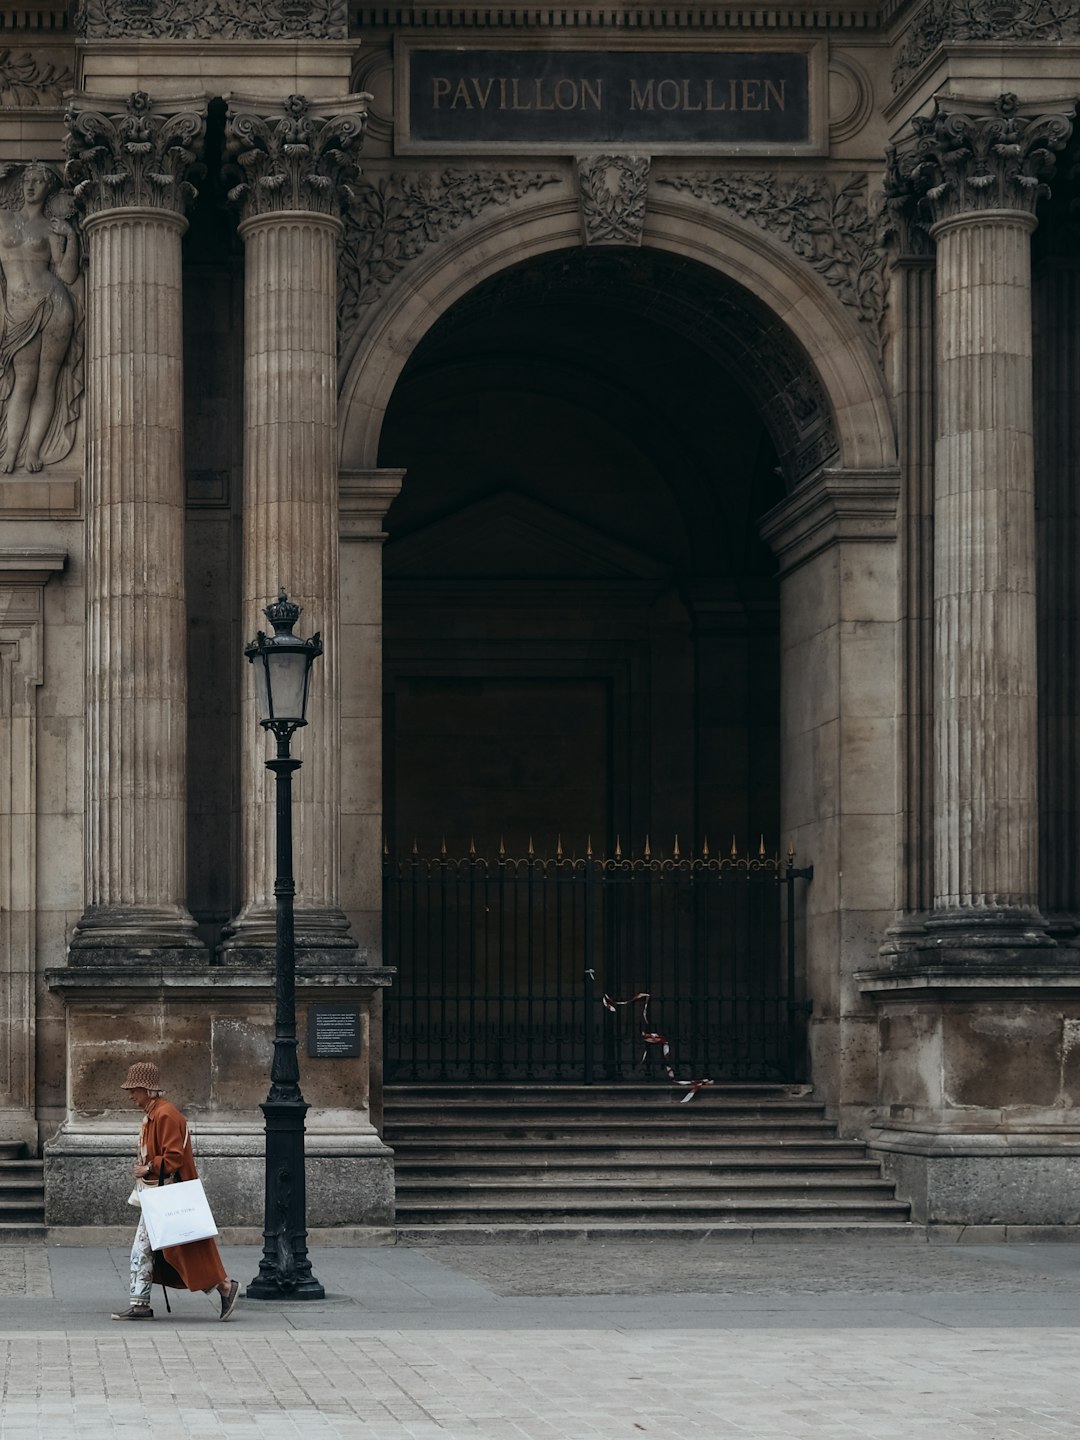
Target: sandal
135 1312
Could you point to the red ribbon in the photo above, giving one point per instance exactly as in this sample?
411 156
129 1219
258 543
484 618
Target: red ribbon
653 1037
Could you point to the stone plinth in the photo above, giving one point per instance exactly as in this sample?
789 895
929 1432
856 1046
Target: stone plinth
211 1032
979 1079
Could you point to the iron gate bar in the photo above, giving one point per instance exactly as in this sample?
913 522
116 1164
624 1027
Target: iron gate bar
500 964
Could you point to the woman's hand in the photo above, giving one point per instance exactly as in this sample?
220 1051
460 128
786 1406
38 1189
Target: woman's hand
140 1171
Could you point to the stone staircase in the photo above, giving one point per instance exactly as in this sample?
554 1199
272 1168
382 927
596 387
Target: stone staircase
22 1194
479 1163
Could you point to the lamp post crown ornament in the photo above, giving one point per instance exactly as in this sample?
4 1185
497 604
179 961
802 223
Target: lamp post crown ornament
300 158
142 157
971 156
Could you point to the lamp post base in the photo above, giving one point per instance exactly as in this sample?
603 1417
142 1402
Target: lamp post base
285 1269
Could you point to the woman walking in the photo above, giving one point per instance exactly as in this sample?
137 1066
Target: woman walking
165 1149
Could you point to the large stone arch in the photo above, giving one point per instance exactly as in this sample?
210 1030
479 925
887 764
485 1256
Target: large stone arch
831 339
834 539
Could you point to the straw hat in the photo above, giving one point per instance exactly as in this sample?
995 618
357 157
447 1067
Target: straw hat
144 1075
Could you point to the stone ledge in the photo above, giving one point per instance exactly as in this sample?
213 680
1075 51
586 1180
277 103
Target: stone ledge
72 980
975 977
945 1145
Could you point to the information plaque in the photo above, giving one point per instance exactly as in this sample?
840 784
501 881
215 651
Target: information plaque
333 1032
545 98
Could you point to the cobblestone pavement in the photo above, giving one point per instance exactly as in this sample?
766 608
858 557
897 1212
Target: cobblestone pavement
770 1342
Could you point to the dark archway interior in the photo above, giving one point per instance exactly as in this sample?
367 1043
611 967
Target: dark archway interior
581 623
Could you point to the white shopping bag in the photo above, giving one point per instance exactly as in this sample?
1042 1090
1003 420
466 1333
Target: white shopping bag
176 1214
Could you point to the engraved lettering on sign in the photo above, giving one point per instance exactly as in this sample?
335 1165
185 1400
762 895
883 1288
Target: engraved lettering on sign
508 96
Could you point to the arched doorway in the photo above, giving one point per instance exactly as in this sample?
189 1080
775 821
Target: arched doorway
581 650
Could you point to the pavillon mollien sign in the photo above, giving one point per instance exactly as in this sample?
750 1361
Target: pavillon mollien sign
486 97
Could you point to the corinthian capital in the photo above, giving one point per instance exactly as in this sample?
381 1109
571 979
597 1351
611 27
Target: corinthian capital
984 157
300 158
142 157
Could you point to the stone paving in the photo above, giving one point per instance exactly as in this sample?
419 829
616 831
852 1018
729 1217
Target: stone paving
561 1342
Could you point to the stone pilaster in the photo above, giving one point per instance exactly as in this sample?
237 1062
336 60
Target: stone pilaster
979 173
366 496
130 174
24 572
292 167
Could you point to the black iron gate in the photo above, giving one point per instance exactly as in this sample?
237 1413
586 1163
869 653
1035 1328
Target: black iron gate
503 965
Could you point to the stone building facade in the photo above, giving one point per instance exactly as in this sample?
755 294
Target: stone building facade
666 416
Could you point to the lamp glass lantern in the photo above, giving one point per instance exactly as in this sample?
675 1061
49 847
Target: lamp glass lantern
282 668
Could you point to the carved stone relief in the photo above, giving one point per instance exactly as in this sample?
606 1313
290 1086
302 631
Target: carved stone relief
827 226
613 191
41 319
390 221
295 159
990 158
940 21
212 19
27 80
141 157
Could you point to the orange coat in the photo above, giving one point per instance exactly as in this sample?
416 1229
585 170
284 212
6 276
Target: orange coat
164 1141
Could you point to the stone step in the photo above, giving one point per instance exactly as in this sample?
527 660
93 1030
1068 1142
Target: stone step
12 1150
19 1232
20 1184
558 1160
467 1194
586 1150
591 1209
672 1131
776 1232
659 1091
541 1170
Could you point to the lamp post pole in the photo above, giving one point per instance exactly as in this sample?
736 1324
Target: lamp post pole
285 1268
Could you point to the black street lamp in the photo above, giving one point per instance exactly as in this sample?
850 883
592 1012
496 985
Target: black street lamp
282 669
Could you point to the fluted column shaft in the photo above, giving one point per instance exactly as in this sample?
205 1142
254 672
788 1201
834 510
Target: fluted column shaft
291 542
136 700
985 791
1057 454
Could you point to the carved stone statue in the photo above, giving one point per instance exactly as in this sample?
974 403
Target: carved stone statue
39 267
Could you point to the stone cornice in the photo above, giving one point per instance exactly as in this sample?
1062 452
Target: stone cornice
30 564
364 497
836 506
973 155
294 155
786 19
142 157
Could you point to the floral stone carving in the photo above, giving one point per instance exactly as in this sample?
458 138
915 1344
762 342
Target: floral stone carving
389 222
26 81
613 192
294 160
142 157
941 21
213 19
40 319
829 227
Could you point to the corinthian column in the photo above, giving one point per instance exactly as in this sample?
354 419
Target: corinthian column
292 166
130 173
980 174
